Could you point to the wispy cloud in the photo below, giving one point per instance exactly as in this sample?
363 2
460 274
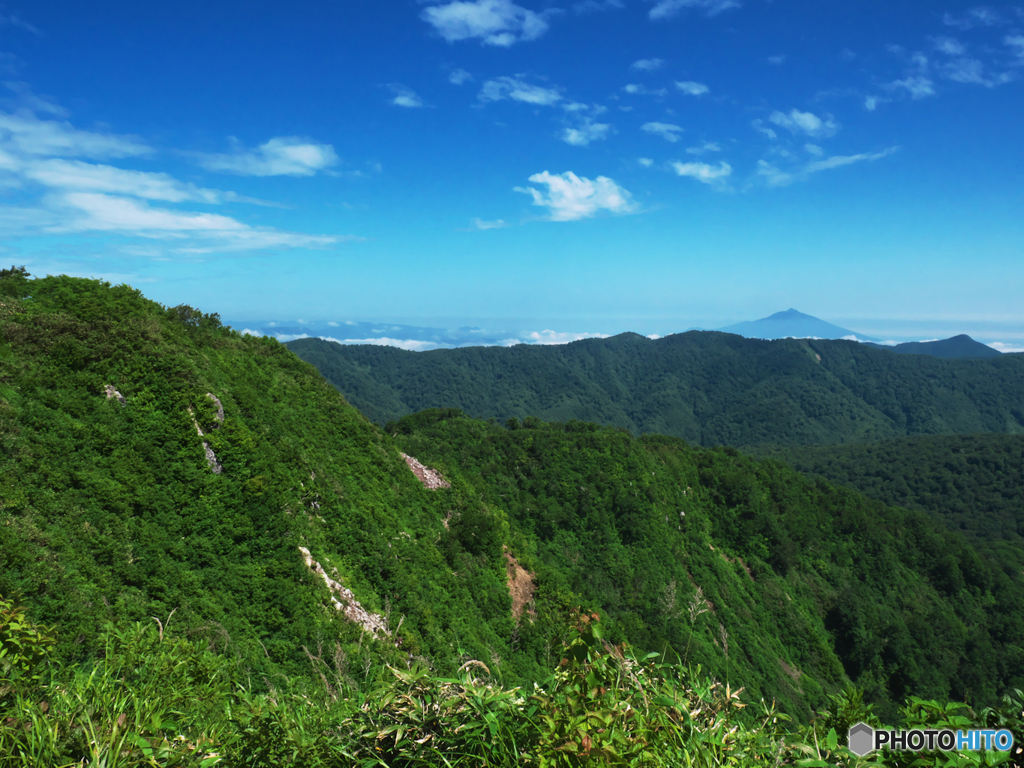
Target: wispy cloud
1016 43
692 88
405 96
517 89
981 16
916 80
570 197
949 46
807 123
71 196
548 336
481 225
585 132
593 6
704 148
459 76
776 60
16 21
646 162
25 133
711 175
647 65
664 9
642 90
760 127
500 23
776 177
282 156
667 131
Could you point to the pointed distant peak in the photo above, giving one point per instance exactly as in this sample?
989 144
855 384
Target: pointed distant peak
789 314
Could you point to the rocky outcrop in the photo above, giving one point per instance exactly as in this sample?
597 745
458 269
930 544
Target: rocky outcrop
343 600
110 392
211 457
521 586
430 478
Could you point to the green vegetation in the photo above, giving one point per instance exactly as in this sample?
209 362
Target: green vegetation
161 475
159 699
972 483
705 387
810 583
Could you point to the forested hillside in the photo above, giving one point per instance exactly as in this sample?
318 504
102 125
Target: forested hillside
154 463
708 388
972 483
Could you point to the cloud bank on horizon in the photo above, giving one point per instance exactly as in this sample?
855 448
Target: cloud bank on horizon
627 155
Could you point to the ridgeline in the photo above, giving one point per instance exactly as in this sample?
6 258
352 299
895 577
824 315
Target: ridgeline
706 387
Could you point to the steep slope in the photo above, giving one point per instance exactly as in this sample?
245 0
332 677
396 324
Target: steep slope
798 575
706 387
972 483
111 507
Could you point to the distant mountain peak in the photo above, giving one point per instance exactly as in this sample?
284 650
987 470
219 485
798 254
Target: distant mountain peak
792 323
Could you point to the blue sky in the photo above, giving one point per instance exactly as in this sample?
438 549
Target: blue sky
573 167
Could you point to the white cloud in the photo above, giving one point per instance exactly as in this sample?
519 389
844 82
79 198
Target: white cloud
586 132
74 174
413 345
972 71
667 131
588 6
760 127
814 149
561 337
776 177
26 99
197 232
405 97
916 80
647 65
837 161
1006 348
871 103
518 90
949 45
15 21
705 173
282 156
1016 41
480 225
776 60
333 324
459 76
975 17
805 122
707 146
692 88
664 9
570 198
918 86
646 162
496 22
642 90
654 336
772 175
26 134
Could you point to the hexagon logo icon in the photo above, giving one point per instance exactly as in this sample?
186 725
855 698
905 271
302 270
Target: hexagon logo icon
861 739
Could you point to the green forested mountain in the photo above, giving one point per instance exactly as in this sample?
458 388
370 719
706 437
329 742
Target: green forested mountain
972 483
708 388
114 508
